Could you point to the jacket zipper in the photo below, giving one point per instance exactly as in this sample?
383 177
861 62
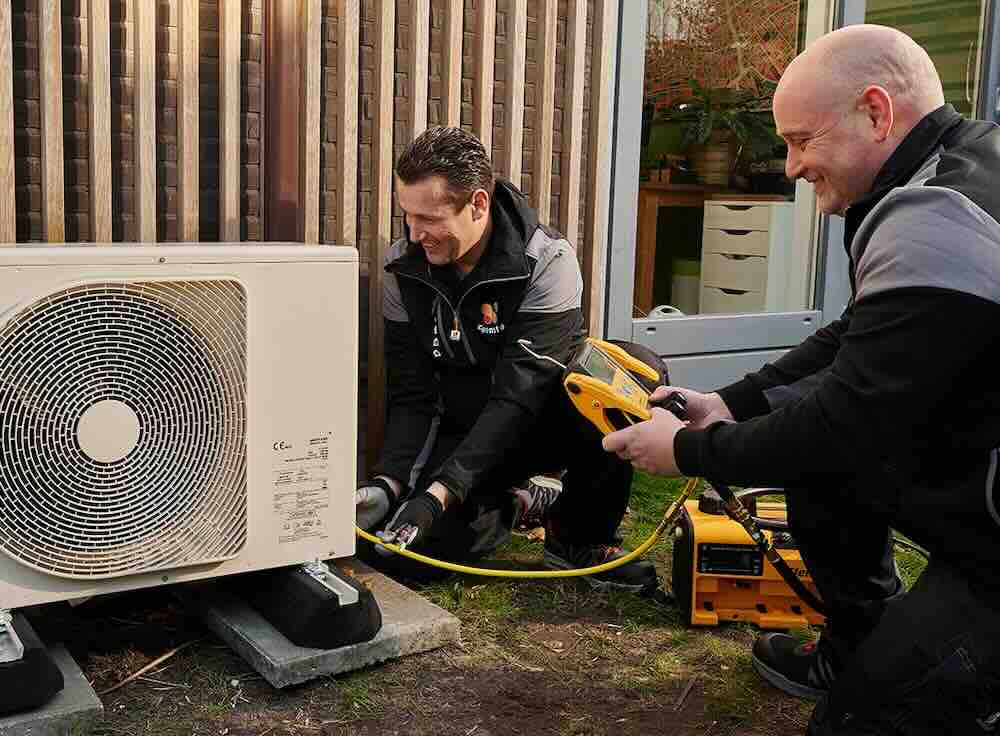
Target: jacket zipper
456 326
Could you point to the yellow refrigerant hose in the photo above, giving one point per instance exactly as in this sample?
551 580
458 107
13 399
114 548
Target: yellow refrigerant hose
669 517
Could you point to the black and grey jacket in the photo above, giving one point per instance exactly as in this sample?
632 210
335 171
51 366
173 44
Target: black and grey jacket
451 345
907 381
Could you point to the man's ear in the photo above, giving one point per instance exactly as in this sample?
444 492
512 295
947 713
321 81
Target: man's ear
480 204
877 105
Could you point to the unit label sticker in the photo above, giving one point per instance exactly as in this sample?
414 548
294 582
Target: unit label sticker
301 478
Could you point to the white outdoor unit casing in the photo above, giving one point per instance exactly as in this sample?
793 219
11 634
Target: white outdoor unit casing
173 413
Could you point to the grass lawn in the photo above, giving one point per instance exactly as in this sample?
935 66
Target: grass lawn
536 657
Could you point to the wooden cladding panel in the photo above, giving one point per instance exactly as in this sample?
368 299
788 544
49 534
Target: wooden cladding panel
144 15
420 42
598 162
517 34
545 105
482 96
99 53
348 33
382 212
572 122
309 101
230 28
451 93
51 94
187 121
8 204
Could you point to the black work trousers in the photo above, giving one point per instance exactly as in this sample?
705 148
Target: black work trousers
913 663
596 487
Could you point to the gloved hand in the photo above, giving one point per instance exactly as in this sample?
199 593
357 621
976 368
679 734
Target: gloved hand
372 501
412 519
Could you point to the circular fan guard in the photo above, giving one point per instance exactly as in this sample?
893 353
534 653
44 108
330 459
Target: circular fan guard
174 353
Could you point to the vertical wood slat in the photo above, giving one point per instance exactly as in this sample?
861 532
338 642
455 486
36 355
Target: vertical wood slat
188 134
99 85
382 206
451 72
420 43
309 111
572 124
348 33
598 164
482 96
545 102
144 119
50 91
8 207
517 33
230 29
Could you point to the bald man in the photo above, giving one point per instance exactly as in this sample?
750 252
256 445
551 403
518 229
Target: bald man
890 416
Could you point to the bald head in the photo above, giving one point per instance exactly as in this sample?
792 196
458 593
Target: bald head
845 104
835 69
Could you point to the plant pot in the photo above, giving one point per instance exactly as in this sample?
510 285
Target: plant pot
713 161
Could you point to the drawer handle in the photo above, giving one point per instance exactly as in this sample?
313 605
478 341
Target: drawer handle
738 207
734 256
736 232
735 292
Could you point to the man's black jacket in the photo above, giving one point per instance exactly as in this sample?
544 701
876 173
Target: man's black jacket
451 345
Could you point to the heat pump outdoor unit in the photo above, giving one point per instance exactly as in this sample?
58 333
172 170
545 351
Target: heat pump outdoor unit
173 413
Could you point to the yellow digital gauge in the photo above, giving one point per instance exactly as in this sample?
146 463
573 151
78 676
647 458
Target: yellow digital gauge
600 384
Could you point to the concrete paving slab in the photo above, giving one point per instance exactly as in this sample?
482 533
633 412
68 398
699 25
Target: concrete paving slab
67 713
410 624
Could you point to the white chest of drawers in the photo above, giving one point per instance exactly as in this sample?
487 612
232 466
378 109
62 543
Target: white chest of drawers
745 253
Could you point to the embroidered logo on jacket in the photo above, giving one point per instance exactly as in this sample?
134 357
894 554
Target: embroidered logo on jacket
490 324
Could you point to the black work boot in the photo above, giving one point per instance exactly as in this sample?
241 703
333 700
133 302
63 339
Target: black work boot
636 576
805 670
533 501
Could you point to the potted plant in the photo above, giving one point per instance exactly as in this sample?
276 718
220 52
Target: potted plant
724 127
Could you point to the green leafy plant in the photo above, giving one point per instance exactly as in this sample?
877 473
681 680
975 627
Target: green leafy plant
706 111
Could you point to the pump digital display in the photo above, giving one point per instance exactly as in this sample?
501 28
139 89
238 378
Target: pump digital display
730 559
598 366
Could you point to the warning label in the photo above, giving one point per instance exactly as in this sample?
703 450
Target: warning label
301 487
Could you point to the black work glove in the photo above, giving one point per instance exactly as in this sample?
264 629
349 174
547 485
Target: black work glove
373 500
414 517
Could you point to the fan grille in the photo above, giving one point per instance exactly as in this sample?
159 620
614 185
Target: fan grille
168 356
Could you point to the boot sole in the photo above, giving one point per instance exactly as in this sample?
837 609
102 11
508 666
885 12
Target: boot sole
784 684
552 562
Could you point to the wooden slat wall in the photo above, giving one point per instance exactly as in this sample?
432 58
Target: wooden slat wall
517 34
187 121
8 207
99 53
51 93
420 44
229 119
348 34
382 209
595 229
482 96
144 116
542 165
451 102
346 167
309 104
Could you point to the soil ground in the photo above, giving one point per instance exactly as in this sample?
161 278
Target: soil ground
548 657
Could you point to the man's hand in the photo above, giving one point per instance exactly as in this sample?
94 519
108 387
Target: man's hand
372 501
413 519
649 445
702 409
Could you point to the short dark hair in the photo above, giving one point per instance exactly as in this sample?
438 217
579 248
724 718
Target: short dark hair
453 154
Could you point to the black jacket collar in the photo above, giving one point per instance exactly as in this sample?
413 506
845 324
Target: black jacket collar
514 222
919 145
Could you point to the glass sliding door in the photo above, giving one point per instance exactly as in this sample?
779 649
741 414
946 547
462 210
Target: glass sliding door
713 258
